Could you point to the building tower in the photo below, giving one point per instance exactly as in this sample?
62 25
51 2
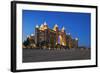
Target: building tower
63 37
57 33
37 35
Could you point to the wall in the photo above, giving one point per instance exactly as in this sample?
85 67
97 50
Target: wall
5 36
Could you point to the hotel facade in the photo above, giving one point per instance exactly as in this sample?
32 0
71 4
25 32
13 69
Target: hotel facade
47 38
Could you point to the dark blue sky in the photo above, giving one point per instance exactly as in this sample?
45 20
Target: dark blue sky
78 24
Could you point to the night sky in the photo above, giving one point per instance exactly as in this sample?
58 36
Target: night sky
77 24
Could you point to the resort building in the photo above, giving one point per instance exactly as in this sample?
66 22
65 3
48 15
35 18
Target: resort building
45 37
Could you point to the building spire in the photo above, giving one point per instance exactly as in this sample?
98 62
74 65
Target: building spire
63 28
45 23
41 26
55 27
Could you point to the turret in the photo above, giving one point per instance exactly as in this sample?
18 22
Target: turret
63 29
45 26
45 23
55 27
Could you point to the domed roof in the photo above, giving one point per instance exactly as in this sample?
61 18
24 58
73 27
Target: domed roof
37 26
76 38
32 34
